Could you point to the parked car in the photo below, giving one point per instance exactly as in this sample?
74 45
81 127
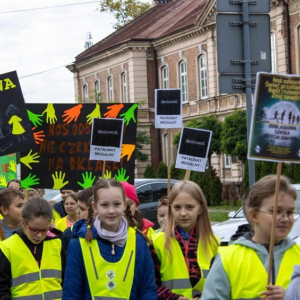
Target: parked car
225 230
149 191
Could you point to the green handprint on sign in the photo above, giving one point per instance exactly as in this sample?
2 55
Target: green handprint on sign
88 180
94 114
3 181
28 159
58 180
13 166
106 175
29 181
11 176
129 114
121 175
34 118
51 117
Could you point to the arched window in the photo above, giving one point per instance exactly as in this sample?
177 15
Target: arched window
124 87
203 76
165 77
273 53
110 89
183 81
97 91
85 93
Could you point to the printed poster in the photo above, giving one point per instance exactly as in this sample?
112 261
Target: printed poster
15 127
61 156
106 139
275 126
168 108
8 169
193 149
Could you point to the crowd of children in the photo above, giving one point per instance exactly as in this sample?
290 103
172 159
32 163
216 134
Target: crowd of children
105 249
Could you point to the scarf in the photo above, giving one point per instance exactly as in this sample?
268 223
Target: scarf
118 238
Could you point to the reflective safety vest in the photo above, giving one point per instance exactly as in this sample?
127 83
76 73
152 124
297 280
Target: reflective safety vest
61 224
174 273
247 274
108 280
29 282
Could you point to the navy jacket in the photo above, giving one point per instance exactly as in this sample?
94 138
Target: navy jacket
76 284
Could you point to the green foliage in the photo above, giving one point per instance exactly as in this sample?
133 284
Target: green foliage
216 191
234 135
266 168
246 177
296 176
149 172
142 138
288 170
124 11
162 170
177 173
257 166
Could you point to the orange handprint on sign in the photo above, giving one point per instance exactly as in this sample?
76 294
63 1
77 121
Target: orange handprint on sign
38 136
113 111
127 149
72 114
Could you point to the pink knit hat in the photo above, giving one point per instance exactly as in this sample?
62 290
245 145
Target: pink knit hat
130 192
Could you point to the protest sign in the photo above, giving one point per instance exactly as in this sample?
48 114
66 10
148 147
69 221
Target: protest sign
168 108
275 126
193 149
61 158
15 127
106 139
8 169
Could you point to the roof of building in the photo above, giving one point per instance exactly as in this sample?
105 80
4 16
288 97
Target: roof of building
159 21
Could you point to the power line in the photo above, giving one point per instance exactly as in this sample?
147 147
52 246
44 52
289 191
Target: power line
42 71
46 7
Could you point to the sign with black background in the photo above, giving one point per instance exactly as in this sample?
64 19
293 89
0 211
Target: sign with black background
193 149
15 127
61 157
168 108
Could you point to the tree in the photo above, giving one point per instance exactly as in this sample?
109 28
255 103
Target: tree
234 135
162 170
124 11
216 189
207 123
149 172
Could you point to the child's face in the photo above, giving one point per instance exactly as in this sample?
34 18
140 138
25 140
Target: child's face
14 185
110 207
36 229
70 206
185 210
65 193
262 219
162 215
82 210
13 213
133 206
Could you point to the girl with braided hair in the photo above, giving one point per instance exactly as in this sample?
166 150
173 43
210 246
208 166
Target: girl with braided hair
107 257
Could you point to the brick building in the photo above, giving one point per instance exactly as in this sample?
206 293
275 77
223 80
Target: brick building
173 45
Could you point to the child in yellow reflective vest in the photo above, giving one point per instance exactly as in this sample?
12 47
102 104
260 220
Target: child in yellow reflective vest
183 251
240 270
32 263
107 257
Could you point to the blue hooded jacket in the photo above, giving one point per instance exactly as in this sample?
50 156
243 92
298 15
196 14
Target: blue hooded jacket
76 285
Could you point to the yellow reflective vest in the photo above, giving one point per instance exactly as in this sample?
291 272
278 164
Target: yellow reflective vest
243 267
61 224
174 272
109 280
28 280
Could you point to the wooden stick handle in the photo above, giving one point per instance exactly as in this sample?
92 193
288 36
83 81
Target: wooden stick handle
2 236
187 175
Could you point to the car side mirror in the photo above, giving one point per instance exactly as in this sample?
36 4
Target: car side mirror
231 214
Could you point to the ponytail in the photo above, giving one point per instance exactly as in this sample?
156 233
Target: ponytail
90 220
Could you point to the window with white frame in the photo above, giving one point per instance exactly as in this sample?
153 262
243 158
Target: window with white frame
165 77
203 76
124 87
273 53
183 81
97 91
110 89
227 161
85 93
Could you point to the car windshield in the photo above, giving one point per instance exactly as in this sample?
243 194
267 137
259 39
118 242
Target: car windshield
240 213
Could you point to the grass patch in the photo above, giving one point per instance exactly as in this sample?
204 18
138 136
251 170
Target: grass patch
218 216
220 213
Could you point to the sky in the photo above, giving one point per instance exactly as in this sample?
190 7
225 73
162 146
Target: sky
38 40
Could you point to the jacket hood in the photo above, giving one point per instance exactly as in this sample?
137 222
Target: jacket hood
147 224
80 228
59 207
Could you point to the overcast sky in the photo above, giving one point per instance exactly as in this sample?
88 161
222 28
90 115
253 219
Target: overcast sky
39 40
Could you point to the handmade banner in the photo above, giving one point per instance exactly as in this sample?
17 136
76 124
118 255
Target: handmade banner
15 128
8 169
63 135
275 126
193 149
106 139
168 108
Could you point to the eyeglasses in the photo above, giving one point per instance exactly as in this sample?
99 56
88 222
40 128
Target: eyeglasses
280 215
36 231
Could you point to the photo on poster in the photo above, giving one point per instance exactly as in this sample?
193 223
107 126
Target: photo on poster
193 149
15 126
275 124
168 108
